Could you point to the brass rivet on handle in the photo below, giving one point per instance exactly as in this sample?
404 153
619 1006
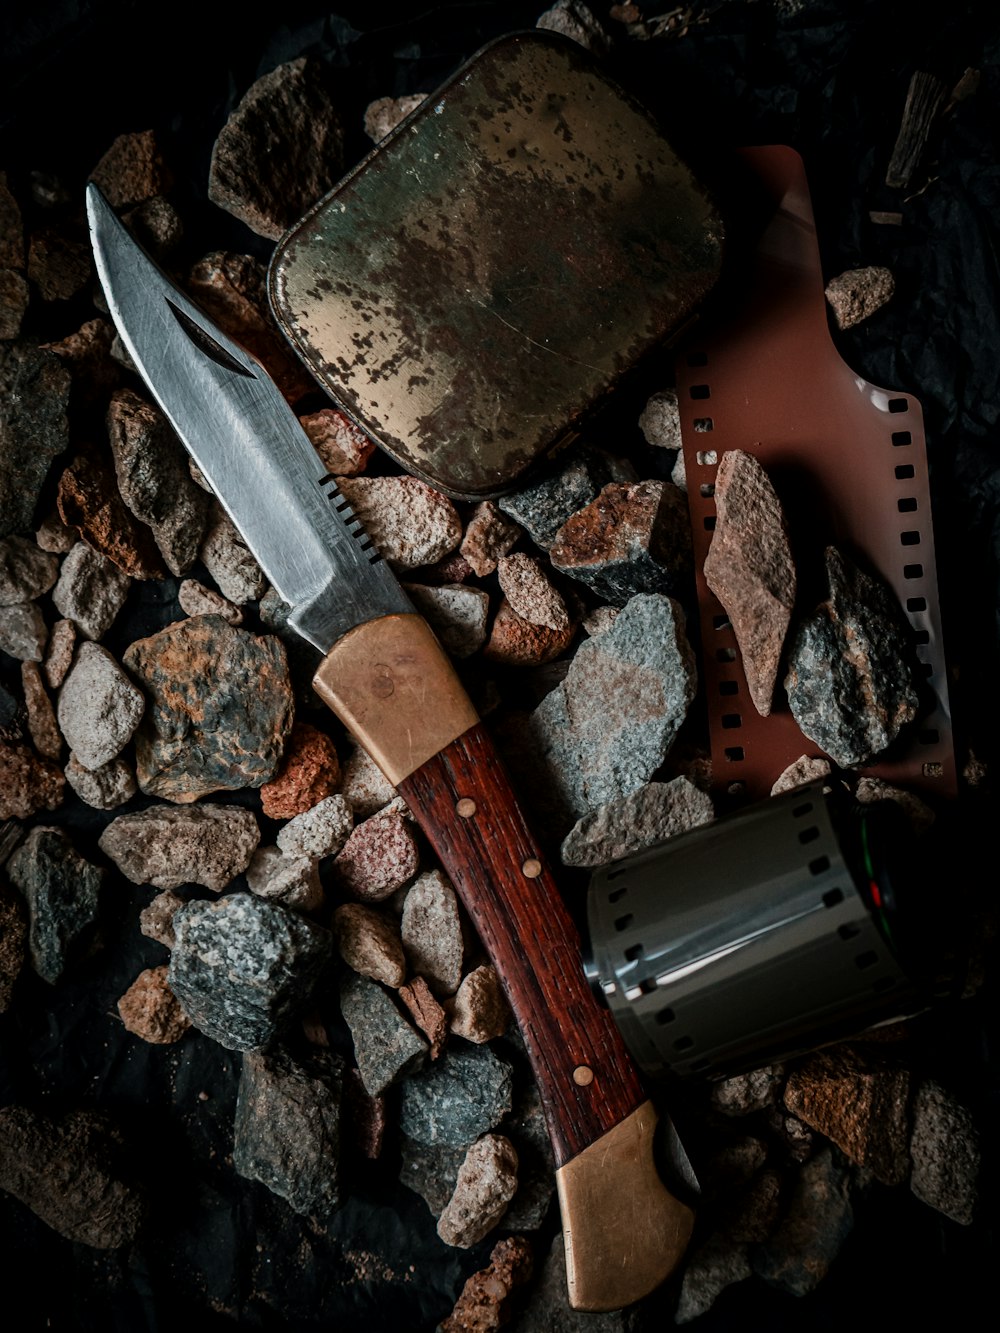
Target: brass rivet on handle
466 807
531 868
583 1076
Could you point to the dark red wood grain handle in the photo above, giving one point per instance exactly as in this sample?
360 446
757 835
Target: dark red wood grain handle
463 800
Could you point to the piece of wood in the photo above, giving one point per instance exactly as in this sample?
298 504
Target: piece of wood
463 800
924 101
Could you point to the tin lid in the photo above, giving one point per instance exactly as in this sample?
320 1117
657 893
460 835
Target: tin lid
488 274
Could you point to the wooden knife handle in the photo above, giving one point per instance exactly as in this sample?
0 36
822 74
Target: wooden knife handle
393 686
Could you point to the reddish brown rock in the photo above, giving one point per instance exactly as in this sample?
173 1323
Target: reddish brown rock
87 354
368 941
426 1013
344 448
480 1011
309 773
219 708
515 641
410 522
489 535
58 265
150 1009
89 501
28 784
14 295
486 1299
41 715
749 567
132 170
379 857
13 941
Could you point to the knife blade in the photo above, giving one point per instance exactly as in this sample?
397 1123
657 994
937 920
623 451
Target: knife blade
389 681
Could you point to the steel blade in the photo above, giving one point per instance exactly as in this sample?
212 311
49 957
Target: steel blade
246 440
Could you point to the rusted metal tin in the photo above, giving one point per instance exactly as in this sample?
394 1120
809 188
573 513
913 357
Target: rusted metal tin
491 271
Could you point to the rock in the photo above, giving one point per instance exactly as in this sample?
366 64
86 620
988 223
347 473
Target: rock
99 707
154 480
410 522
573 19
288 120
466 1093
59 653
132 170
13 942
369 943
90 591
631 539
805 769
548 1309
751 1216
485 1302
59 265
61 891
430 1171
432 932
23 632
857 294
319 831
14 297
529 591
34 428
87 355
480 1010
150 1010
309 773
749 567
156 920
487 1181
945 1151
89 501
365 787
228 559
104 788
54 536
850 676
643 818
28 784
660 421
344 449
564 487
818 1219
288 1127
197 600
716 1265
426 1013
386 1047
156 225
457 615
70 1173
365 1117
292 881
379 857
219 707
678 473
536 1172
605 730
858 1102
168 846
919 813
383 115
25 571
743 1094
515 641
488 536
11 228
241 967
41 715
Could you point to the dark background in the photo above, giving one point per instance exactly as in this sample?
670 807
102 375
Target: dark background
830 80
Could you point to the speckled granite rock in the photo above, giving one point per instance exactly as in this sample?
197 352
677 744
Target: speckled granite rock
132 170
543 505
288 119
465 1094
410 522
319 831
91 590
13 941
287 1133
805 769
104 788
653 813
89 501
99 708
61 889
28 784
386 1046
945 1152
432 932
26 572
379 857
70 1174
487 1181
856 294
309 773
219 707
850 667
150 1009
241 967
743 1094
368 941
660 420
817 1220
23 632
167 845
34 429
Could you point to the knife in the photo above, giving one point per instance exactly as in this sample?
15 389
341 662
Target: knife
391 684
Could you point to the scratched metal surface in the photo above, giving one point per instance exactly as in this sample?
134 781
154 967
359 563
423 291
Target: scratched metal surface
488 274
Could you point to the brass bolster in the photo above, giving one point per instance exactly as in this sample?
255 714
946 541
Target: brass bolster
624 1232
394 688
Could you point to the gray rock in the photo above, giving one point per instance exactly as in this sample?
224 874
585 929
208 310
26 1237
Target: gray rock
99 708
104 788
228 559
660 421
287 1130
547 1309
576 21
718 1264
34 429
23 631
430 1170
91 590
749 567
320 831
526 1128
743 1094
487 1181
288 120
465 1094
850 674
542 506
386 1046
197 600
432 932
818 1219
457 614
61 890
290 880
805 769
653 813
156 920
154 479
945 1151
242 967
169 845
857 294
365 787
26 572
379 857
605 730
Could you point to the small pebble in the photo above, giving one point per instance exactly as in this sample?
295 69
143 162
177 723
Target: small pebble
319 831
432 932
156 920
515 641
456 614
365 787
99 708
90 591
805 769
55 536
660 421
197 600
230 562
463 1095
379 857
383 115
480 1011
486 1300
369 943
489 535
309 773
529 591
170 845
425 1011
25 571
28 783
386 1046
344 448
292 881
23 632
487 1181
855 296
41 716
150 1009
132 170
59 653
104 788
